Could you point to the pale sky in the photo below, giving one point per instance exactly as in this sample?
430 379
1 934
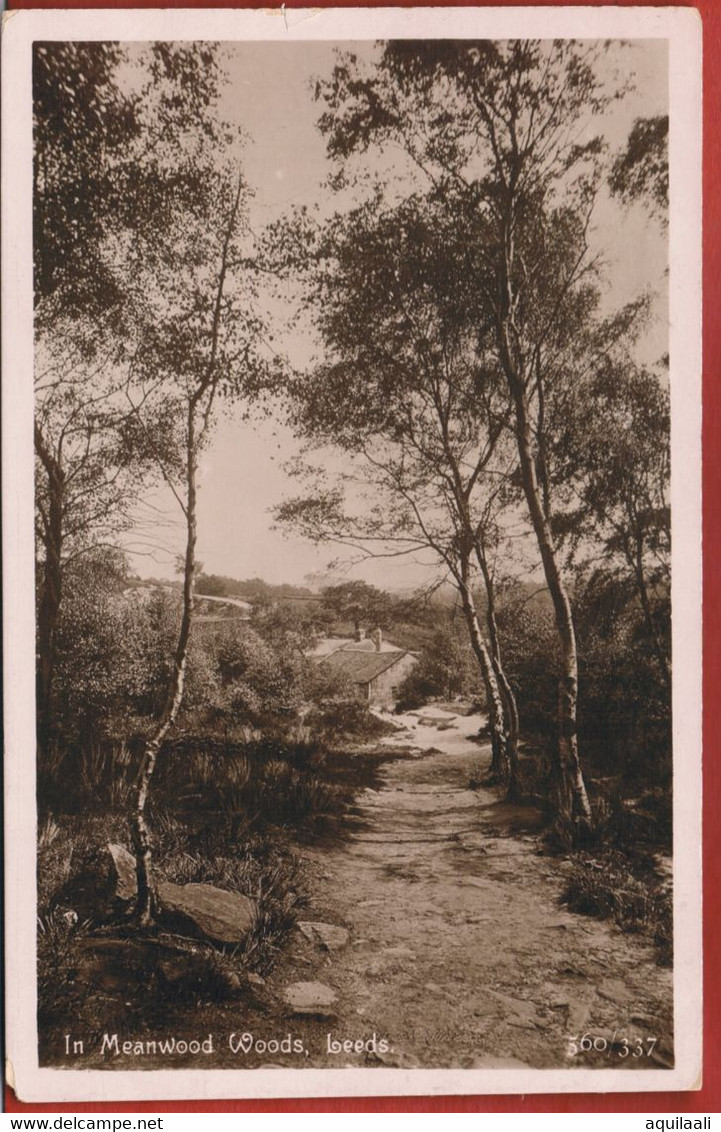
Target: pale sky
284 161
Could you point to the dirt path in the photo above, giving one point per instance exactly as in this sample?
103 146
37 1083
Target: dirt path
459 952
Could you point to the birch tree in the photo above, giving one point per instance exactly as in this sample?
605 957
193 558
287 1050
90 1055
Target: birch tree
145 293
405 395
511 133
207 348
117 136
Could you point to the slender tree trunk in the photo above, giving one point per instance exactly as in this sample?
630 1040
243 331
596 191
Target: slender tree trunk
662 658
146 905
52 585
496 716
571 784
510 705
572 789
197 425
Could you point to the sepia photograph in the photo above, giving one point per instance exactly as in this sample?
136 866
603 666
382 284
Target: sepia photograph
353 739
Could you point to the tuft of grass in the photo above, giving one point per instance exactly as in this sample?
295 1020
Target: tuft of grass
256 866
47 834
612 886
266 783
59 937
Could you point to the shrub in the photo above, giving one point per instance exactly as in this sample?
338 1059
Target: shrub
346 719
445 669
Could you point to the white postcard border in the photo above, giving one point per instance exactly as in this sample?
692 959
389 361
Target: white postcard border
682 29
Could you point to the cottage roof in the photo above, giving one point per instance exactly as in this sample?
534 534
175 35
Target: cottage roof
327 645
362 667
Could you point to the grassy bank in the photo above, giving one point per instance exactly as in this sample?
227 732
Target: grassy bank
232 814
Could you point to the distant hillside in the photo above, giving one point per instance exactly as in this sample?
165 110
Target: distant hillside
252 590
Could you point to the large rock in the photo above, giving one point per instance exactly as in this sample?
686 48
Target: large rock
330 937
102 884
206 911
315 999
124 879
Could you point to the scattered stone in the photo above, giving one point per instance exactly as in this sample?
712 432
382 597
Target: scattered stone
207 911
330 937
315 999
579 1013
398 953
394 1059
570 969
230 981
643 1020
613 990
518 1012
255 980
559 1001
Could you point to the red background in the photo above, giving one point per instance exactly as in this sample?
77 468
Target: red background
708 1099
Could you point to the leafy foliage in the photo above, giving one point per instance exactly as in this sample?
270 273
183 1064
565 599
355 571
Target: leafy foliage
358 602
640 172
445 669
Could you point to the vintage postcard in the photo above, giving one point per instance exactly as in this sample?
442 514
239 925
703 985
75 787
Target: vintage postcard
351 515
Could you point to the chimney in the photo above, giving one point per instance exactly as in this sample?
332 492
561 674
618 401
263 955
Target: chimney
377 638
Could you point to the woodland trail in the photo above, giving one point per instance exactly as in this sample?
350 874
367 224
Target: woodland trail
460 953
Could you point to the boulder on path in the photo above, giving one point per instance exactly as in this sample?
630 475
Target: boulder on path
314 999
206 911
330 937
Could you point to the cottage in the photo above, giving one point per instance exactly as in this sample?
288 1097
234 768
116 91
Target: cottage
375 675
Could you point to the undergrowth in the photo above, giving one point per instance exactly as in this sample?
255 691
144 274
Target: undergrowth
222 813
613 886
